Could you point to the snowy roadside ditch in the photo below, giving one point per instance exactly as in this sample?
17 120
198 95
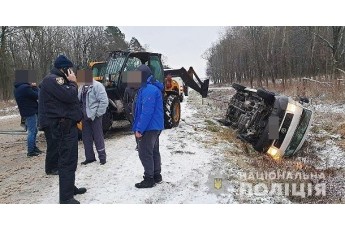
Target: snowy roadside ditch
195 167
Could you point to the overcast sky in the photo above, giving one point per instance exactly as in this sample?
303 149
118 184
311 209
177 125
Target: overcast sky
183 46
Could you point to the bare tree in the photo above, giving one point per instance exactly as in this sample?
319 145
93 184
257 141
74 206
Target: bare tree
271 53
37 47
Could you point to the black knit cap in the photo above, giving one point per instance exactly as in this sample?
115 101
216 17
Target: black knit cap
62 62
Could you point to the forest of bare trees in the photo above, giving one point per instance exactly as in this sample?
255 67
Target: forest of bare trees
263 54
252 54
37 47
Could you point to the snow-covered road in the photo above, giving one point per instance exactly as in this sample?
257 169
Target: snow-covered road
186 166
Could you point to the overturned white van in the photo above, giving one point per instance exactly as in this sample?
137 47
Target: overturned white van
271 123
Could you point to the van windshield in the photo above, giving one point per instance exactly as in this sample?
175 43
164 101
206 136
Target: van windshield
299 133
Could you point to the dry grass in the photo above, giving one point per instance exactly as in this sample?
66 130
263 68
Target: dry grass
325 90
249 160
223 135
326 126
341 144
340 129
213 128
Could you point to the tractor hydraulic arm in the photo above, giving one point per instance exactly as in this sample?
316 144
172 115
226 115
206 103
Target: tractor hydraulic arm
188 78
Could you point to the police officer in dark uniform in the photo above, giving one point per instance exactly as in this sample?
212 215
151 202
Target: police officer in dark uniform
59 96
52 155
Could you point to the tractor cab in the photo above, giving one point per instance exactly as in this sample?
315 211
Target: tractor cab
120 63
98 70
120 70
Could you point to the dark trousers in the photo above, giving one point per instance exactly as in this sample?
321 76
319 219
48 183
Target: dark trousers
52 151
65 134
93 132
148 148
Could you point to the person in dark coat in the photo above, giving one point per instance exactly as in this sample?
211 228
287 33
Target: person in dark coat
147 127
26 95
52 155
59 97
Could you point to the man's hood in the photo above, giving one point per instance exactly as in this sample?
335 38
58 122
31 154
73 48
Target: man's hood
153 81
148 78
146 72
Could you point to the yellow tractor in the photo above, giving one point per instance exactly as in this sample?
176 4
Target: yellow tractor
98 69
113 74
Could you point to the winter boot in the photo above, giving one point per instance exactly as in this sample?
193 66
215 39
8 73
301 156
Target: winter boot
79 190
146 183
37 150
157 178
70 201
32 154
88 162
53 172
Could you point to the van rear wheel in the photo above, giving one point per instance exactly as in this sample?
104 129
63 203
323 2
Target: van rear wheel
266 95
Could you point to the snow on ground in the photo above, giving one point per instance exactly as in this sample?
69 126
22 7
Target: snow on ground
329 154
9 117
186 165
192 158
329 108
8 109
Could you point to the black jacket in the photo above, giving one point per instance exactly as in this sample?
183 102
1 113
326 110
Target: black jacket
58 98
26 97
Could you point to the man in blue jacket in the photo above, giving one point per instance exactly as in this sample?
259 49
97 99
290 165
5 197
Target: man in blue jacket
148 124
26 95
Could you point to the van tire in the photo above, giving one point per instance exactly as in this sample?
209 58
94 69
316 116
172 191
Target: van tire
266 95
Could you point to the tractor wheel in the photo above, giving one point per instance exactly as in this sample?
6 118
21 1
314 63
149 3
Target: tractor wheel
186 90
129 99
181 97
107 121
172 111
266 95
